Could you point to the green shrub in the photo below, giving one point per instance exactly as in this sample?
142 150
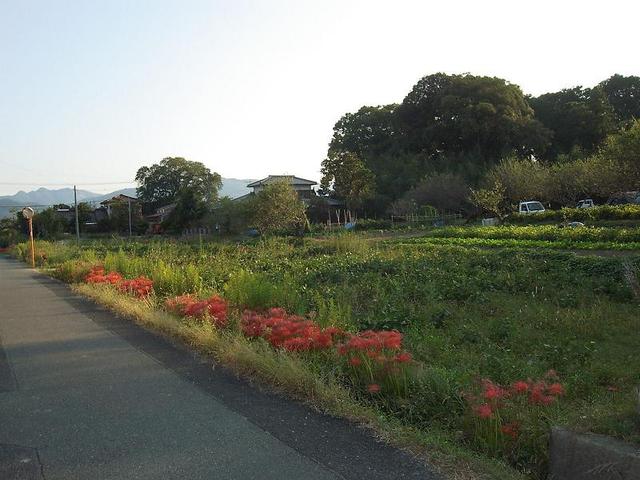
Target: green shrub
251 290
72 271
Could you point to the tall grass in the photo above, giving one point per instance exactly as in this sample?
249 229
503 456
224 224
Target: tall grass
349 243
257 291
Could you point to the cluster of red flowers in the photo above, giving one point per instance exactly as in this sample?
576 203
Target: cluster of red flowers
383 347
373 344
376 357
495 401
98 275
141 287
214 308
539 392
290 332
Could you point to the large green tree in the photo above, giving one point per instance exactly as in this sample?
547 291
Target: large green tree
190 208
165 182
459 124
450 114
346 175
369 132
578 117
277 209
623 94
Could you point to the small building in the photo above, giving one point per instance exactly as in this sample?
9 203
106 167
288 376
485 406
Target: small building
160 215
65 211
122 201
303 187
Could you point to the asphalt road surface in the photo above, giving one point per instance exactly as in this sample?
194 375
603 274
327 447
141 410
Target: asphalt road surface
86 395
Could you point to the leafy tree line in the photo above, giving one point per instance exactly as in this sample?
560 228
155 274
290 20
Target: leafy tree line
614 167
452 129
193 188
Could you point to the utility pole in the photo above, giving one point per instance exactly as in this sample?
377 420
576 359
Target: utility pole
75 201
129 201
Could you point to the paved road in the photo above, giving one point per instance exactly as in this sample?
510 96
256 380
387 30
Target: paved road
85 395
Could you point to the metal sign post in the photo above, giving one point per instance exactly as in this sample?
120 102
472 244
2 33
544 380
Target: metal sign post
75 202
28 213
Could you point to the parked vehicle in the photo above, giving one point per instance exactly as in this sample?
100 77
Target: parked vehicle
625 198
531 206
586 203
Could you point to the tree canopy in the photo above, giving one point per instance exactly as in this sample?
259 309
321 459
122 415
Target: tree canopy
465 125
447 123
278 209
623 94
578 117
346 174
164 182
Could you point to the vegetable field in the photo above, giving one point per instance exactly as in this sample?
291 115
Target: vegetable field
483 348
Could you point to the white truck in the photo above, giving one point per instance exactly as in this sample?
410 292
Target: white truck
530 207
586 203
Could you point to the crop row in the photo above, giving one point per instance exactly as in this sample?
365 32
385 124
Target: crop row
543 232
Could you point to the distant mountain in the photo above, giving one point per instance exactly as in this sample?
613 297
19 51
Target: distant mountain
8 207
97 198
43 197
234 187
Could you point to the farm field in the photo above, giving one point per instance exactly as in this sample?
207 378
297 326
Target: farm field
540 236
475 321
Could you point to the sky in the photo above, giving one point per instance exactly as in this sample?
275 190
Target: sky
92 90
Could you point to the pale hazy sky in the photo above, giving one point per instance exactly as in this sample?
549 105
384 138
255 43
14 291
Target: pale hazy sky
92 90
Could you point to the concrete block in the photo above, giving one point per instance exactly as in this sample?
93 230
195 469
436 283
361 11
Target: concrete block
575 456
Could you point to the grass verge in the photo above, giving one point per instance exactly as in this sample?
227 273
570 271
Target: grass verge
293 377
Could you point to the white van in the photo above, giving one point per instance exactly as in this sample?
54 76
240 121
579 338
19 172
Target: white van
532 206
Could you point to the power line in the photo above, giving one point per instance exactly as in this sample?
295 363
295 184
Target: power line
66 184
16 205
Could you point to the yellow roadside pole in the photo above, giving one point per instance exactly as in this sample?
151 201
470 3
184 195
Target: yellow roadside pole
28 212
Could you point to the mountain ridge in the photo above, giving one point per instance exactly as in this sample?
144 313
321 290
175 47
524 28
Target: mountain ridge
44 197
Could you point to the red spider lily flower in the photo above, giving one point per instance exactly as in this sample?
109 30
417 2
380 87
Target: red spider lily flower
290 332
355 361
403 357
141 286
555 389
334 331
492 391
373 388
178 305
277 312
539 396
372 342
483 411
511 429
520 387
214 308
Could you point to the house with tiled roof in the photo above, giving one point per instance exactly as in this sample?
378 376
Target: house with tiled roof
302 186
